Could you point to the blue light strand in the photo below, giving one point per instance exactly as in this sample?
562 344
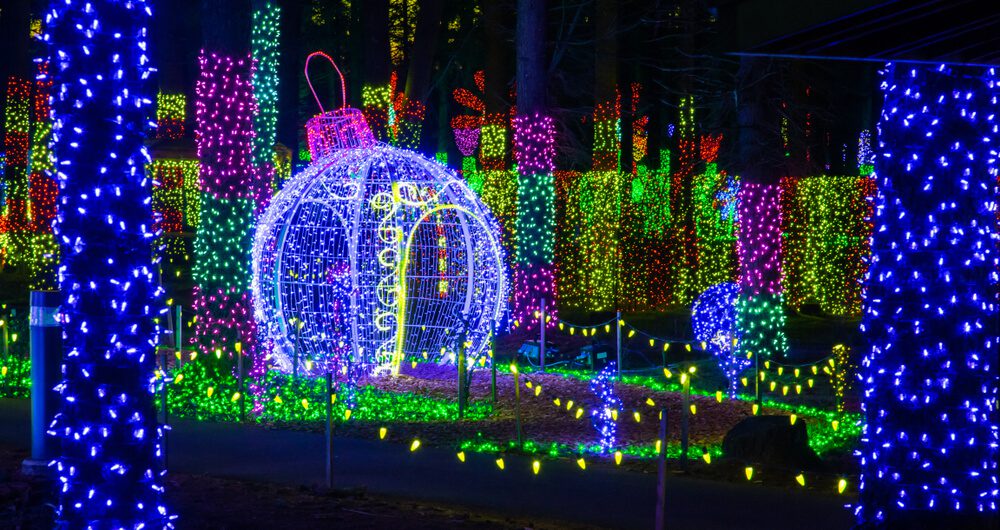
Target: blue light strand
604 418
109 470
929 444
714 320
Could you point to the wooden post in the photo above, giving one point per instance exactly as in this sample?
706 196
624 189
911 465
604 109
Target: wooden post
661 484
541 341
329 430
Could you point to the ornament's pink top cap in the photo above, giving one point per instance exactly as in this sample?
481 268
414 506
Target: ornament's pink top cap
343 128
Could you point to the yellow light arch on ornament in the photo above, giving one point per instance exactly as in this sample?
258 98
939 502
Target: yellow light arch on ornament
404 262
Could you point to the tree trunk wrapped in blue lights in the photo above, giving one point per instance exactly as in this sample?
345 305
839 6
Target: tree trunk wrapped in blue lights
929 446
109 469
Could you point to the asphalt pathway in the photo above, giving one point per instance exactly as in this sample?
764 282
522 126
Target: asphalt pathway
601 495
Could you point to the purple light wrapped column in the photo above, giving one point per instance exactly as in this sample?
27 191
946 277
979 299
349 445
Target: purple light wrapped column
760 312
534 147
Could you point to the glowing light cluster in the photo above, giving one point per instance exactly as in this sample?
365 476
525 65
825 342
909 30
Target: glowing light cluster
640 137
176 211
826 241
109 470
656 216
395 118
28 192
535 144
17 123
929 446
498 190
608 135
843 375
402 27
420 253
760 315
171 113
587 246
223 242
467 127
605 417
232 191
175 194
264 40
343 128
43 190
866 157
534 140
682 248
224 110
634 270
229 181
230 322
535 219
467 140
282 167
713 317
713 196
759 243
493 145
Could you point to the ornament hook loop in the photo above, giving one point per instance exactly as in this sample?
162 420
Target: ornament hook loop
343 85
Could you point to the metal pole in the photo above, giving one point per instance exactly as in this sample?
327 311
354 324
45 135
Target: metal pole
329 430
178 336
517 403
618 340
243 402
295 354
6 352
6 324
685 413
661 484
493 367
541 342
462 397
756 385
163 404
163 373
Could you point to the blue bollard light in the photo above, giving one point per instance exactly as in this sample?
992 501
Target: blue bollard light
46 361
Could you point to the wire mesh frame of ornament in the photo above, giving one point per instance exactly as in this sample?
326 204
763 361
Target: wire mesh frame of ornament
423 254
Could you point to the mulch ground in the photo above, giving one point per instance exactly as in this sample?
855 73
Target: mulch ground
545 422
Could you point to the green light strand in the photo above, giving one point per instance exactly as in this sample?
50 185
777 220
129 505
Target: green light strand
264 44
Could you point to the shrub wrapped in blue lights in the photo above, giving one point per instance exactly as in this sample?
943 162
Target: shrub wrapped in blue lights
929 444
713 317
109 469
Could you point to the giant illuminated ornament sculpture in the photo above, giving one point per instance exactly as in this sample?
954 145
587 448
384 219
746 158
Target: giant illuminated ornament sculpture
373 255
